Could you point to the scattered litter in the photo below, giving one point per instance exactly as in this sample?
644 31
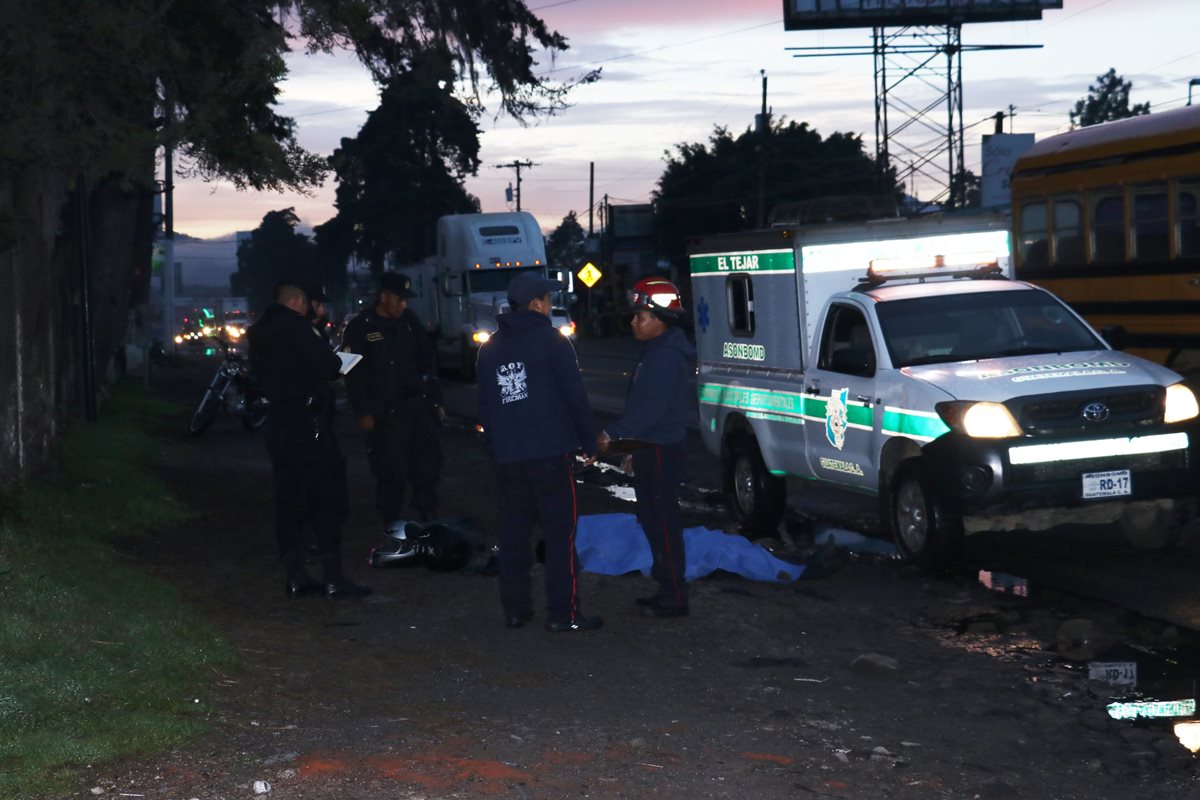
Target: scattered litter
645 764
811 680
97 790
842 756
262 787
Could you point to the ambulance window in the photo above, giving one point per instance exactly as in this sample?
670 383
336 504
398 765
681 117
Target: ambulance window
846 345
739 295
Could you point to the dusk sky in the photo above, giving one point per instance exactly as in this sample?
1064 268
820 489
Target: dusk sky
673 69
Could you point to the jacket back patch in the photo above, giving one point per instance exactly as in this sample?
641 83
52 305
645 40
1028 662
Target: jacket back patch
513 382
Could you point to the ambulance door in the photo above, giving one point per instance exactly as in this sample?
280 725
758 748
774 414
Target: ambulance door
842 414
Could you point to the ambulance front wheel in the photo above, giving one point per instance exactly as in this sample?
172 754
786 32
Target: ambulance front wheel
756 496
924 531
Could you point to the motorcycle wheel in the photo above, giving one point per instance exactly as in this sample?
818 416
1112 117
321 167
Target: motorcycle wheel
206 412
254 411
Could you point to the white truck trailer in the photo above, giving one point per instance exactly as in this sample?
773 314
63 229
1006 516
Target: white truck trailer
460 290
896 360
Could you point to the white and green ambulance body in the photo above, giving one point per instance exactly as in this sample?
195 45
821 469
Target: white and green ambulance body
896 359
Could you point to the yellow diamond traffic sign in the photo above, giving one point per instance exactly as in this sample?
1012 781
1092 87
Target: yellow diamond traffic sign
589 274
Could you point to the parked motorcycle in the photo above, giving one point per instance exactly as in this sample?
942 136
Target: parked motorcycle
234 390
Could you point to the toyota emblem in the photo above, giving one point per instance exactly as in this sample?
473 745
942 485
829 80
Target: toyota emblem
1095 412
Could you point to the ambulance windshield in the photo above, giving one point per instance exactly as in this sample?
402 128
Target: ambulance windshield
969 327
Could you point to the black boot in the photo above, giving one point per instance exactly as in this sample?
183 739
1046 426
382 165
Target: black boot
299 582
337 584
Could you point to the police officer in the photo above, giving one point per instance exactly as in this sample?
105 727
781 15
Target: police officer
318 315
397 401
656 409
296 370
535 411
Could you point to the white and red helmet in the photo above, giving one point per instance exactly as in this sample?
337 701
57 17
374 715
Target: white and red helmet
660 297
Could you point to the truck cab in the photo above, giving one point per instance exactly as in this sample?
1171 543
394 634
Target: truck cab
897 360
460 290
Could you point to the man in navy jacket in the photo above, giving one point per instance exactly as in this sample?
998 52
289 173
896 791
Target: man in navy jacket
656 410
535 412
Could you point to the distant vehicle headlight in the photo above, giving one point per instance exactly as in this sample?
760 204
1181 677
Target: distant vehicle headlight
567 329
481 337
982 420
1180 405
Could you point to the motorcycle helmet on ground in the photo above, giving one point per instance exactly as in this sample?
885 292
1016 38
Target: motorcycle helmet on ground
405 536
447 545
660 297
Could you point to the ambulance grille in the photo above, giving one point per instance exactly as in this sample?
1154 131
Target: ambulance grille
1033 475
1063 414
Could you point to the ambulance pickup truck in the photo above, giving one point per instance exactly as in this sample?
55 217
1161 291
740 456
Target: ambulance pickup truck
897 360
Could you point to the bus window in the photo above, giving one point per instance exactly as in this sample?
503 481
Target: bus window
1150 221
1068 231
1108 228
1188 218
1033 234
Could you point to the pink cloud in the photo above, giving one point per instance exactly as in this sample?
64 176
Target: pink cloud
580 18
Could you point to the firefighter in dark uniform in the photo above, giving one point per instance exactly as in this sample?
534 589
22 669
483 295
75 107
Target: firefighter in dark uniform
656 409
535 412
296 370
396 400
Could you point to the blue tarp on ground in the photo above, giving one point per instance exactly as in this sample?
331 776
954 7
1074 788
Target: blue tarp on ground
613 544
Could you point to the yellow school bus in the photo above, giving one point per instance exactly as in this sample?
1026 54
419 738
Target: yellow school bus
1108 218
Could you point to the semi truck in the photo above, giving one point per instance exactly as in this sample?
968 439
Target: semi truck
898 360
459 291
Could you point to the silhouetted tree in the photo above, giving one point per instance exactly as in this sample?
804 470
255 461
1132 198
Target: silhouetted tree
714 187
407 164
274 251
1107 99
565 244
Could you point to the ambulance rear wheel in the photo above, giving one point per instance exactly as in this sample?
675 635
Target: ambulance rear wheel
924 531
756 497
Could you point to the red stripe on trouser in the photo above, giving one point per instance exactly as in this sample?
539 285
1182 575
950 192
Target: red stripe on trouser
662 521
571 540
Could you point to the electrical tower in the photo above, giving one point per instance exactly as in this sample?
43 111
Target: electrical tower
917 50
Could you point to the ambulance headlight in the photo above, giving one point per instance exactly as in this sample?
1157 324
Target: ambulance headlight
481 337
981 420
1181 404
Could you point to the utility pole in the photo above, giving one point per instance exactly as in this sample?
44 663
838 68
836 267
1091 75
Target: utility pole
591 194
518 166
763 122
168 275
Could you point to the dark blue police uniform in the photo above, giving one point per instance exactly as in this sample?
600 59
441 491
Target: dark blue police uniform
295 368
656 409
396 385
535 411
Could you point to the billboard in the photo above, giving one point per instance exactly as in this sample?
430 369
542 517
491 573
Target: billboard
801 15
1000 152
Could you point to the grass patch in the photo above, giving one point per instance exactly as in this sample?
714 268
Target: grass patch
97 658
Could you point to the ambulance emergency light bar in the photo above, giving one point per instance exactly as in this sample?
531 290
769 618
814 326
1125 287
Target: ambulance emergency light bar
923 256
892 269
